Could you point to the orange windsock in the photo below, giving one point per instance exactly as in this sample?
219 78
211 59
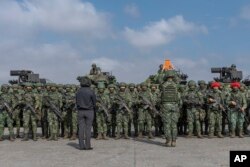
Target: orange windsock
168 65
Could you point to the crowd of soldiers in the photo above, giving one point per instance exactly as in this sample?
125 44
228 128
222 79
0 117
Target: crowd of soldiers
125 110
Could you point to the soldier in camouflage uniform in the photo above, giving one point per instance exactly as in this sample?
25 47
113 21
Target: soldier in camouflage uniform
215 107
182 123
145 114
68 111
113 109
194 101
31 105
246 92
102 112
237 105
170 104
123 115
157 119
134 96
202 89
5 112
17 108
44 113
53 98
73 114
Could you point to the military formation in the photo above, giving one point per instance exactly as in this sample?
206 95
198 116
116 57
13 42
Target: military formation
159 107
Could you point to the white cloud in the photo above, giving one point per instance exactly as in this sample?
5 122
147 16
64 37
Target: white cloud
245 13
161 32
60 16
132 10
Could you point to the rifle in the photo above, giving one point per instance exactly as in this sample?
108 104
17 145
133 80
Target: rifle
7 106
122 104
149 104
216 105
27 105
54 108
103 107
238 107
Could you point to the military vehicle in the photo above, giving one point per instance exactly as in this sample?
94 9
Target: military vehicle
26 76
105 77
227 74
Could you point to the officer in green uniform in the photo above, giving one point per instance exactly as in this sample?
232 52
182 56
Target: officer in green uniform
113 110
134 96
157 119
5 112
170 104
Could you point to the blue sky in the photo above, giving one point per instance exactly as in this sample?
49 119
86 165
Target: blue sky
61 38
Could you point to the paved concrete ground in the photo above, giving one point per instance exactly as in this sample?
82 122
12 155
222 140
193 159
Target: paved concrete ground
122 153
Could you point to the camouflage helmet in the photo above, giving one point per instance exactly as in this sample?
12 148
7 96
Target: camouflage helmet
28 85
101 85
233 66
131 85
143 84
93 65
15 86
201 82
122 84
191 83
5 86
111 86
153 85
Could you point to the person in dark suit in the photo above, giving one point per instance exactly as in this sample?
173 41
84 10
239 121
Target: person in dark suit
85 103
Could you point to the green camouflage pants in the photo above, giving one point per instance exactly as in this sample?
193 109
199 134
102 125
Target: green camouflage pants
193 118
122 119
101 122
16 118
237 120
74 121
53 122
29 117
66 121
4 117
144 116
214 121
170 115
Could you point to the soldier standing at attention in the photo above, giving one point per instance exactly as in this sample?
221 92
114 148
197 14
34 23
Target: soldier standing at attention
237 105
5 115
170 104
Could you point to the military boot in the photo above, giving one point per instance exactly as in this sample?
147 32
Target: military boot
50 137
34 137
1 139
211 135
65 135
190 135
55 137
150 136
12 138
118 136
232 135
99 137
241 134
168 143
126 136
73 137
18 133
140 135
174 143
220 135
199 135
26 137
105 136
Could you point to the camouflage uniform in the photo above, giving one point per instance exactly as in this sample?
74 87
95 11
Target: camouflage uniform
134 96
5 113
101 116
145 113
215 106
157 119
17 108
54 98
237 104
30 99
194 101
170 104
113 109
122 115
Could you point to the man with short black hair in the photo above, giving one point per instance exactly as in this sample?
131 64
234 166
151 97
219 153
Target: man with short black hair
85 103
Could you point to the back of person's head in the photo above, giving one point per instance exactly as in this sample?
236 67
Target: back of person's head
85 82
